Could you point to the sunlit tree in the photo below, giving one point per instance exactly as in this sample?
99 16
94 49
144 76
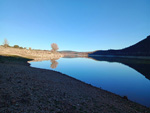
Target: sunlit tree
30 48
6 44
54 47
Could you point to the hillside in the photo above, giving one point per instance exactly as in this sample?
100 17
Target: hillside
33 54
141 48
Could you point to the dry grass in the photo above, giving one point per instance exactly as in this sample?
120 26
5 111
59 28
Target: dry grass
33 54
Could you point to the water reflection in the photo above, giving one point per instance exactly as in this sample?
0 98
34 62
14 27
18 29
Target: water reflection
109 73
140 65
54 64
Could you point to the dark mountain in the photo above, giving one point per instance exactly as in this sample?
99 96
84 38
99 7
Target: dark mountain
141 48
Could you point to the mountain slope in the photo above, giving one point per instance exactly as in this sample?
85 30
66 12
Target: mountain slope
141 48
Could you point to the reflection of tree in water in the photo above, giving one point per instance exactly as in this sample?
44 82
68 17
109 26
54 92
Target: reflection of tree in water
54 64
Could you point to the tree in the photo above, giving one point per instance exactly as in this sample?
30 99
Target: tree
16 46
6 44
54 47
30 48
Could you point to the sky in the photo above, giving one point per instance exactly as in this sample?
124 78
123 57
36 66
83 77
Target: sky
78 25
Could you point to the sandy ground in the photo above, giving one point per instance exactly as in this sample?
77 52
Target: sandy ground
24 89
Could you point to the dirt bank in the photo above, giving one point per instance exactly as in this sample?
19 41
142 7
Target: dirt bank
34 54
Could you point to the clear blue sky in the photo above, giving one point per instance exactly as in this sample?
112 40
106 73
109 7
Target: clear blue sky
80 25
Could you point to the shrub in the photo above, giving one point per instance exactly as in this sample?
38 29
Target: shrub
16 46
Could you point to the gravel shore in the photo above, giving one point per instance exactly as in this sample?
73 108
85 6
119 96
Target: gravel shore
24 89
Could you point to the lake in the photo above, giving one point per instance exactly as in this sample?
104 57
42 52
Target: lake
124 77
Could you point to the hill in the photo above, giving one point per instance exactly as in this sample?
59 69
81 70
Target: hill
28 53
141 48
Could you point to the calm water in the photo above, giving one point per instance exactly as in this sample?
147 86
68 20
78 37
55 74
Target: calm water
115 77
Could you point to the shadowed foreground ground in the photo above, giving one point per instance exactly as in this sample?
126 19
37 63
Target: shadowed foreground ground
27 89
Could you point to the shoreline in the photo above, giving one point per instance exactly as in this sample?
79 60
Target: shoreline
44 90
119 56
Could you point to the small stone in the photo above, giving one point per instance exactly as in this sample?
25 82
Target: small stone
19 81
17 104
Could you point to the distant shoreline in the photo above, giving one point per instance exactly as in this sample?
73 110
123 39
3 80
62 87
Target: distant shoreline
136 57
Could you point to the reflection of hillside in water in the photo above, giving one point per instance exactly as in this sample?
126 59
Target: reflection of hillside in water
140 65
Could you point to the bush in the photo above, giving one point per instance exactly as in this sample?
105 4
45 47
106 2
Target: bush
16 46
